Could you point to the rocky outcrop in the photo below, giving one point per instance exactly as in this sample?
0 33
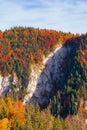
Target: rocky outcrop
5 82
43 76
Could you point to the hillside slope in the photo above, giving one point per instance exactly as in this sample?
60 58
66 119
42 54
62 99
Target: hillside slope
22 47
62 72
42 77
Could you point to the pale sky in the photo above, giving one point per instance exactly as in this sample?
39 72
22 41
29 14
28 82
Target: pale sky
61 15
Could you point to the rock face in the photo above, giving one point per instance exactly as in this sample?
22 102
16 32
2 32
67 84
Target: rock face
5 82
43 76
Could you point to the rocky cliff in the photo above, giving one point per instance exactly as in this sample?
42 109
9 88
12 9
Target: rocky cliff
42 77
5 82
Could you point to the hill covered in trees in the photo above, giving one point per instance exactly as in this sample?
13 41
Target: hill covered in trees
22 47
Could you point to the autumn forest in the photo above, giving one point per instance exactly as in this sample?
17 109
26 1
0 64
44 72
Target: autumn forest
20 48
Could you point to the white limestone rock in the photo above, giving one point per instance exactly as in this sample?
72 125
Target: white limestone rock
41 78
6 81
4 84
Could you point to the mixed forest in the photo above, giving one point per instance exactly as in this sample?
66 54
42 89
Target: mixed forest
19 49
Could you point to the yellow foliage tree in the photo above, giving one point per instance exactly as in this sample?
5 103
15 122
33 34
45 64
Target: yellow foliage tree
4 124
14 112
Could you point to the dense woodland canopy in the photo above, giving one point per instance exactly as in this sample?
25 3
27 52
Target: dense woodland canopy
21 47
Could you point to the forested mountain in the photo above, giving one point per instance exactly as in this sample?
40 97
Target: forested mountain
20 48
